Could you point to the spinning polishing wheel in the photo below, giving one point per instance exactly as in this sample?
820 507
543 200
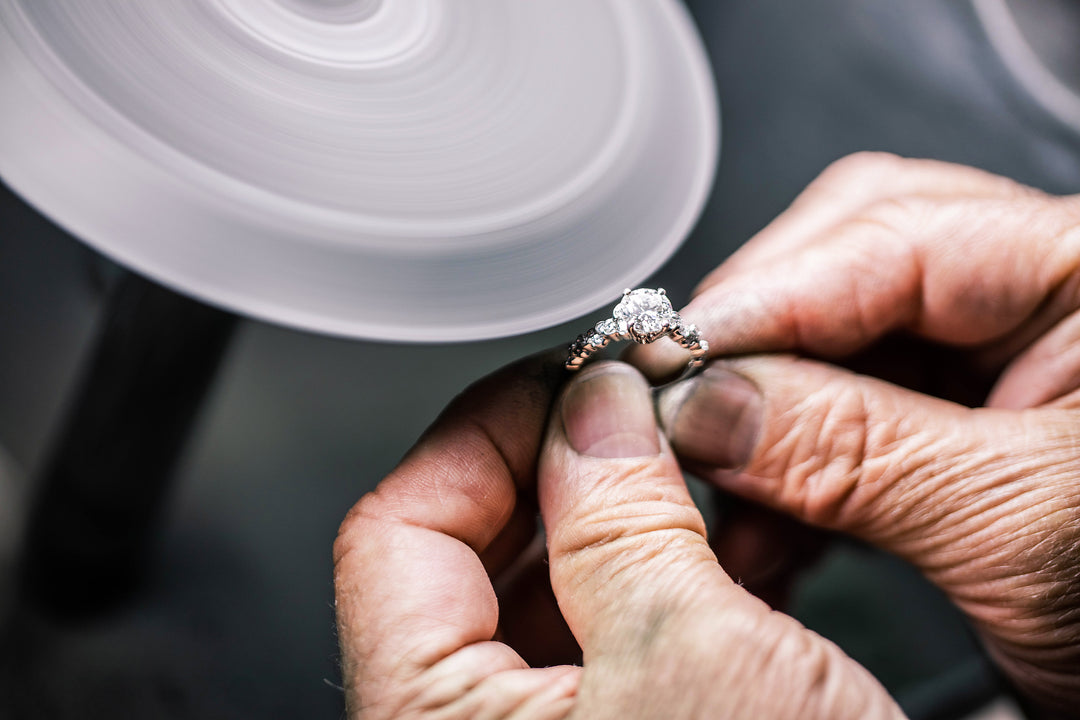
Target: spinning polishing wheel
413 170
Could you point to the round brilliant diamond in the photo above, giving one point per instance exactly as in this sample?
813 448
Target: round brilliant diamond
646 311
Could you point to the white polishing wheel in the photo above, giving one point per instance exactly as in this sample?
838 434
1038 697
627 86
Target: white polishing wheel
408 170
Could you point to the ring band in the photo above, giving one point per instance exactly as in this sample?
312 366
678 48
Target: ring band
644 316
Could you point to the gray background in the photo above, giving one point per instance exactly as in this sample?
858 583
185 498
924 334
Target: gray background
236 619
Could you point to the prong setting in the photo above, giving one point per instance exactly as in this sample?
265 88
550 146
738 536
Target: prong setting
643 315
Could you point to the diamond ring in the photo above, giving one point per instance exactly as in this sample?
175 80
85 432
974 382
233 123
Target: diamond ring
643 315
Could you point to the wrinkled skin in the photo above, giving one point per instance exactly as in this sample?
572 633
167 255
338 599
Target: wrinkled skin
958 286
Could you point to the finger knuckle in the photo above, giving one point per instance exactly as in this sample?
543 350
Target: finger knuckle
899 219
617 546
1068 235
817 672
857 167
351 528
803 656
614 541
778 651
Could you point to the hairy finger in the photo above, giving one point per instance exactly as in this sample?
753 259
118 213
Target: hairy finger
416 609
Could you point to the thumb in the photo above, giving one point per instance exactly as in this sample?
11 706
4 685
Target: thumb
620 522
663 630
981 500
847 452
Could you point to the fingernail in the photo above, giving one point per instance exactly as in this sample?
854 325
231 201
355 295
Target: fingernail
714 418
608 413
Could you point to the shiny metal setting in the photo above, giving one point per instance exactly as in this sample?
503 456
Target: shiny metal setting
653 320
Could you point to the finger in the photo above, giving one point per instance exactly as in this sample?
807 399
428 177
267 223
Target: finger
607 492
656 616
416 611
847 187
974 497
1046 372
961 272
838 450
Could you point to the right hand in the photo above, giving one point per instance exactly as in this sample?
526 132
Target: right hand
985 500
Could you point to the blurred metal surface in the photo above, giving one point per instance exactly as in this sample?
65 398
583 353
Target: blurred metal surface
416 170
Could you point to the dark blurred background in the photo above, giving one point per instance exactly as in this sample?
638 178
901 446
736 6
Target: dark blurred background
234 617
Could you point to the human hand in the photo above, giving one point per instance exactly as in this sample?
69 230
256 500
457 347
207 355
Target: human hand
986 501
663 631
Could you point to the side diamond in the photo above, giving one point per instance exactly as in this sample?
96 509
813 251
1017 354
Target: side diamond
607 327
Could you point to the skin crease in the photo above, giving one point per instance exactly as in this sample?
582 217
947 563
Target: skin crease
967 280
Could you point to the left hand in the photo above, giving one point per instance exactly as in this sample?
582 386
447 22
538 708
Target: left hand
663 630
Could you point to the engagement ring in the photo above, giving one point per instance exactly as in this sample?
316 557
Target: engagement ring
643 315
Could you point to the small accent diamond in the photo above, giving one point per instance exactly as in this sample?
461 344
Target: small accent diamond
607 327
595 339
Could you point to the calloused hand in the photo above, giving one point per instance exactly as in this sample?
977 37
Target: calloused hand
984 499
663 631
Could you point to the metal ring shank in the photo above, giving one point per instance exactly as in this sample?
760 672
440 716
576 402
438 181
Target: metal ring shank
592 341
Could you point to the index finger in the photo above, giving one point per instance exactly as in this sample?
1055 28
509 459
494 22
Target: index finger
416 609
962 271
849 186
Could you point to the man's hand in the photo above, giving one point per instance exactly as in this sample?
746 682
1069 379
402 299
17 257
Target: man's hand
985 500
663 631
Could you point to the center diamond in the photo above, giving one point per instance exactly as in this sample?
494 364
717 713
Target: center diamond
646 312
